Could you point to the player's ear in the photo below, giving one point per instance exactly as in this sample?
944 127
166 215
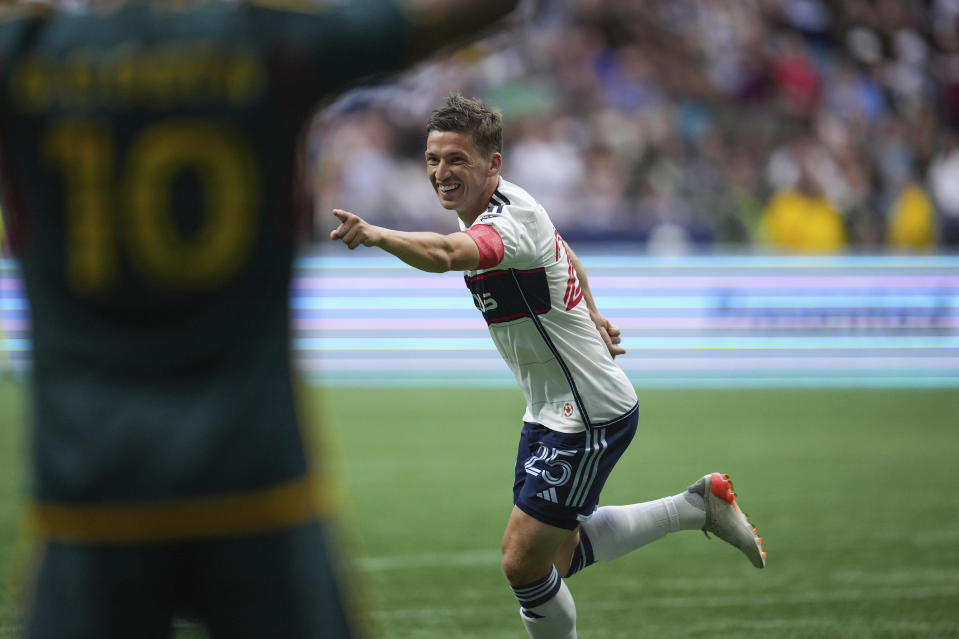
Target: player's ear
495 164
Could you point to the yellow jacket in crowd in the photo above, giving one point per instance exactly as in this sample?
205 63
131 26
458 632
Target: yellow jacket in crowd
803 223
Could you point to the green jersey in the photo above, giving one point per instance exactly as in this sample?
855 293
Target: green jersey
149 157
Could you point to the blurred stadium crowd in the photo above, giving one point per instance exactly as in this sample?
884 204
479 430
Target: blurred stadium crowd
794 125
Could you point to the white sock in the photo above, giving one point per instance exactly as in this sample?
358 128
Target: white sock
614 531
553 619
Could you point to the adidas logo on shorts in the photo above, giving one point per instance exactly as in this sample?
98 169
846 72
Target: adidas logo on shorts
548 495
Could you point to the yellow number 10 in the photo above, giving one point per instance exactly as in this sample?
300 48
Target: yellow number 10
130 216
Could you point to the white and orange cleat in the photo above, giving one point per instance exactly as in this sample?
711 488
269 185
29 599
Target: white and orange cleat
725 520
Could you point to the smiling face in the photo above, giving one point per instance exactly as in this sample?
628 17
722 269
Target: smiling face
463 179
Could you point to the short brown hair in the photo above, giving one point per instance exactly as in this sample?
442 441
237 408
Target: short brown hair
466 115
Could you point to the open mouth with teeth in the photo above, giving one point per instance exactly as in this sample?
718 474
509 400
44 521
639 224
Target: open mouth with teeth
447 188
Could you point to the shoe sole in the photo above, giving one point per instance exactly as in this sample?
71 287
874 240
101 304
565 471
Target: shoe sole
721 486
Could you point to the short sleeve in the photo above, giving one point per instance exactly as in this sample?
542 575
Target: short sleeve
518 248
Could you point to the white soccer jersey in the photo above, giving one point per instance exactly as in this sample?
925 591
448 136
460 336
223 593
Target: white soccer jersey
529 294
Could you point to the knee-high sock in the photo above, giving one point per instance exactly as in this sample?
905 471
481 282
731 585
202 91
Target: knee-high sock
547 608
613 531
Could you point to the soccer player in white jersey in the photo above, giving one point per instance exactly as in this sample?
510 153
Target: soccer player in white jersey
581 410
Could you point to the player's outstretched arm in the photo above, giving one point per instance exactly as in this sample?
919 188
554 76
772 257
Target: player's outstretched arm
608 331
426 251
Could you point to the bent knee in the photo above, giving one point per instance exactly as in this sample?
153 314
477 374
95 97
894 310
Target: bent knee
522 567
529 548
520 571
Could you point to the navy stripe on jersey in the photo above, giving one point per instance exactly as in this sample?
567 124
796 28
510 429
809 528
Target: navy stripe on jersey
617 420
552 347
498 296
497 202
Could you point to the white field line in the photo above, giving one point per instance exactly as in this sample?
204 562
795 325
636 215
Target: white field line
449 558
696 603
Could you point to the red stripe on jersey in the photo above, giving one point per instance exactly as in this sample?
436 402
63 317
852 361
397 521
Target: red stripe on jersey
574 292
490 245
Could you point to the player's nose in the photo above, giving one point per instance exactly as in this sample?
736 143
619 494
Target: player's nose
442 170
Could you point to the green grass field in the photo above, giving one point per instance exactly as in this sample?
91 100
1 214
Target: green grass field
852 490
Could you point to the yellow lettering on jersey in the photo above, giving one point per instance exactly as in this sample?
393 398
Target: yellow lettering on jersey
83 152
128 75
226 172
133 211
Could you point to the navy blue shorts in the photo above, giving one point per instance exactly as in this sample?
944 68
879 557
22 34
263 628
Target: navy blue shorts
559 475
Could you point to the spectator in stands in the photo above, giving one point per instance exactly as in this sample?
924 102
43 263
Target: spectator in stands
873 83
944 185
912 222
802 219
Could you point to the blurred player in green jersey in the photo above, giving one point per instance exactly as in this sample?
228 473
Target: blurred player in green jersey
147 155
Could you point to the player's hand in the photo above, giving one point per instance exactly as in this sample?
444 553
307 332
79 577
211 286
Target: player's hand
610 333
353 230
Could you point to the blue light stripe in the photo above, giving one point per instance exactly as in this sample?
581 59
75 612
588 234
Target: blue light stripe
948 305
842 264
698 321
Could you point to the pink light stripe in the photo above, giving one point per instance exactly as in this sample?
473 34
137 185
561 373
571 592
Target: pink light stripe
761 324
794 363
427 282
403 365
780 281
386 324
671 364
414 281
626 323
631 323
732 323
